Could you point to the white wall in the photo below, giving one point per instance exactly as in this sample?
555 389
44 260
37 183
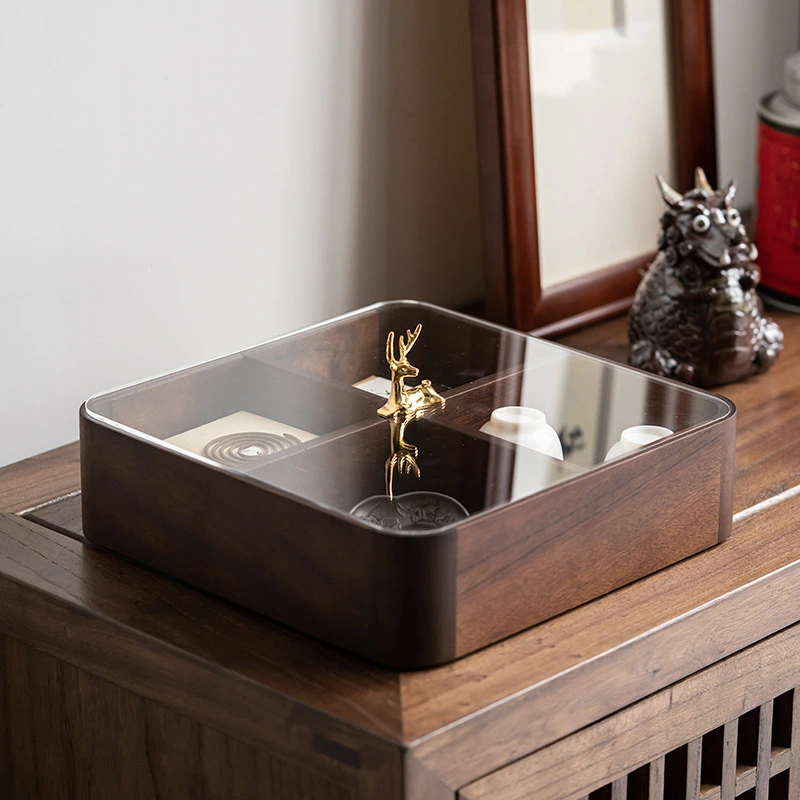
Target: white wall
179 180
751 40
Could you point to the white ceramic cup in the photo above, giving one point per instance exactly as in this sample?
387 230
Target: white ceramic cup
526 427
638 436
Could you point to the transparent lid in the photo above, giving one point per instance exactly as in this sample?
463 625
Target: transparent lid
475 416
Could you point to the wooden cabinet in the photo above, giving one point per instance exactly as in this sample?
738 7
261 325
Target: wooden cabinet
117 682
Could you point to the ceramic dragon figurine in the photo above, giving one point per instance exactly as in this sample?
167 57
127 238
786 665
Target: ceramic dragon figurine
696 316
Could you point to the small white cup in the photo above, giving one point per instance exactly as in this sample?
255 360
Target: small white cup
526 427
638 436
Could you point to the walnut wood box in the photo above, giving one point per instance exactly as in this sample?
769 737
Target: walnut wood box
275 534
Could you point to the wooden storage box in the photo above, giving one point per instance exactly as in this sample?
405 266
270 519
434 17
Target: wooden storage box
274 532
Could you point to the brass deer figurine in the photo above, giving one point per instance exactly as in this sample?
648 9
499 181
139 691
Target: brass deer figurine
407 402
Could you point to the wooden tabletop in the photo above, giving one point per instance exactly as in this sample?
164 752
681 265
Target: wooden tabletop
265 684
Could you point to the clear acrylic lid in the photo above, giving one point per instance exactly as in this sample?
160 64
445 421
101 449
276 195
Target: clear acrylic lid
300 415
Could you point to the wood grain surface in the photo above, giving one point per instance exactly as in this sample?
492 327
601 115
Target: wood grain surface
694 131
63 515
41 478
592 536
54 744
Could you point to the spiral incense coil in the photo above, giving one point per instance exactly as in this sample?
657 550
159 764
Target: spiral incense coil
244 448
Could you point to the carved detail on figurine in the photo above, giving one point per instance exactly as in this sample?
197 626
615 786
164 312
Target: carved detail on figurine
696 316
407 401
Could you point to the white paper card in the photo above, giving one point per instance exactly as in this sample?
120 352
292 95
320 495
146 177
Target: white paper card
196 439
375 385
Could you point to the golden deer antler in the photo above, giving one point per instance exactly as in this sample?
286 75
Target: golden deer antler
412 338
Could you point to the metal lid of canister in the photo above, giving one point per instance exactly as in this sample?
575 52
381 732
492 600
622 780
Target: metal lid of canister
782 107
791 79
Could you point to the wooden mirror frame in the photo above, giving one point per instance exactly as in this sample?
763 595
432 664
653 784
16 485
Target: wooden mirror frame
503 103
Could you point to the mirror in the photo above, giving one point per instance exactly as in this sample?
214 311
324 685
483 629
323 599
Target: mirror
579 104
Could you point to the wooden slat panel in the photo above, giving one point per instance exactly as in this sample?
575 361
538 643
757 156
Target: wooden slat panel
619 788
656 788
780 760
745 779
663 721
794 769
764 751
694 756
729 736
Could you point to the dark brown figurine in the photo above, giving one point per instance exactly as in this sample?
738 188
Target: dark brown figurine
696 316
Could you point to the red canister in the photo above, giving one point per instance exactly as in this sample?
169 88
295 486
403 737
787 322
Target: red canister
778 197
